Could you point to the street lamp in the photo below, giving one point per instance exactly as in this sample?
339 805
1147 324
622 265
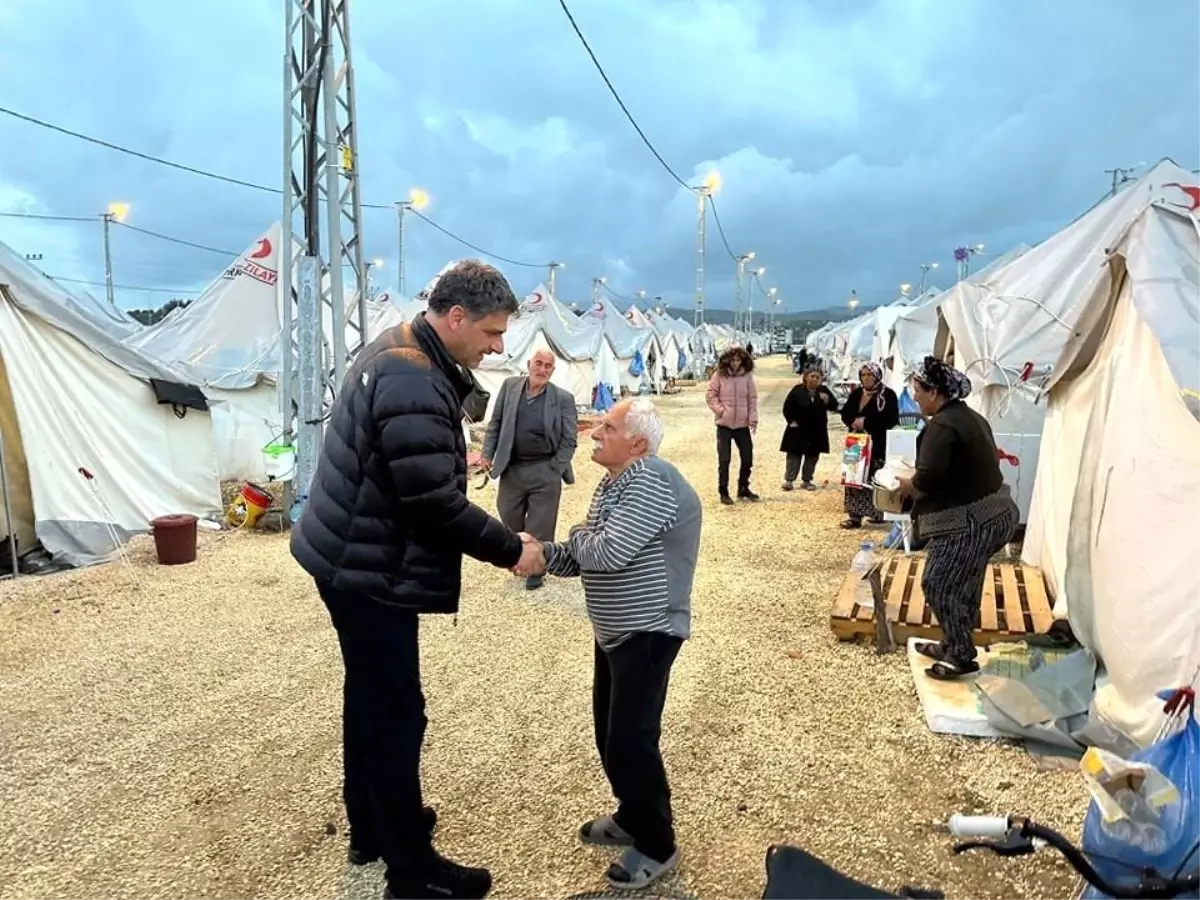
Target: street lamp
738 314
904 289
418 200
925 267
596 283
757 273
372 264
962 255
117 212
710 185
553 267
773 301
641 295
853 301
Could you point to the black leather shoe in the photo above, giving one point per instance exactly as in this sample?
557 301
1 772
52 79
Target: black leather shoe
366 854
440 878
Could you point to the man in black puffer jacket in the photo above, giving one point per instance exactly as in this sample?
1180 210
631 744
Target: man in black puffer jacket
383 534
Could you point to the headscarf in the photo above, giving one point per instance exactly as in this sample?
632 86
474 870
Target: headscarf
943 378
878 391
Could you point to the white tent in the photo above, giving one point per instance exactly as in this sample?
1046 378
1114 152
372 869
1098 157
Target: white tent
71 398
674 348
1113 523
626 340
116 322
228 339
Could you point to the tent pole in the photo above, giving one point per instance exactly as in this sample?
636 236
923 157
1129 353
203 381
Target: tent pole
8 519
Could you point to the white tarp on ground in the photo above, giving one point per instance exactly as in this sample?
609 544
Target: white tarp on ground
1113 525
72 396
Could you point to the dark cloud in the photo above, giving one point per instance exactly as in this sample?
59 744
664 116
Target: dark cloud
855 140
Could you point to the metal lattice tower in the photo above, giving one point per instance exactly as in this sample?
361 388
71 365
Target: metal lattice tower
702 195
323 281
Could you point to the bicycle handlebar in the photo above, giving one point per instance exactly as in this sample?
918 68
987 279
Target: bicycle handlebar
1016 836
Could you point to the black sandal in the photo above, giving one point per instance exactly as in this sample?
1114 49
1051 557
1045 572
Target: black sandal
851 524
945 670
930 650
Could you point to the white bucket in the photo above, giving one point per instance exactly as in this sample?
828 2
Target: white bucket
279 461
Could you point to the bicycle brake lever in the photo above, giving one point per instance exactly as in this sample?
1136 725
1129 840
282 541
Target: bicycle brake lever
1013 844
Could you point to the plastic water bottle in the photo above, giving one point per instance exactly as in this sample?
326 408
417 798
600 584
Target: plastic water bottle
863 560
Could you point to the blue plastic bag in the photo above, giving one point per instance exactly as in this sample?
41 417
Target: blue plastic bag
602 398
1178 759
636 366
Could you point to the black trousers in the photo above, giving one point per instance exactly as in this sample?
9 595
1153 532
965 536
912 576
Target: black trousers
726 437
800 464
629 691
383 727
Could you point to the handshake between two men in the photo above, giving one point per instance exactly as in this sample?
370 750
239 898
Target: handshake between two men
533 557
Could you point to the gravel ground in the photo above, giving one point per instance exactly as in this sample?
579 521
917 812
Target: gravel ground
172 732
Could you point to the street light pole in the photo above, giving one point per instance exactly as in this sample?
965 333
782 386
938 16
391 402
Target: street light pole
551 281
711 184
925 267
116 212
418 200
755 275
739 319
596 282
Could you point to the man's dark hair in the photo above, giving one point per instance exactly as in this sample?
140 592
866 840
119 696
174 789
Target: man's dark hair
478 288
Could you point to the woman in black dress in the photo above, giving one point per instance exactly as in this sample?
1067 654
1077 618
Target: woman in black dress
873 409
806 412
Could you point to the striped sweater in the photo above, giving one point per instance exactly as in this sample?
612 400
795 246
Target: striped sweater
636 553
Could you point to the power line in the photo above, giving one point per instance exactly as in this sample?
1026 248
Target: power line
604 284
712 204
21 215
123 287
175 240
247 184
477 249
620 102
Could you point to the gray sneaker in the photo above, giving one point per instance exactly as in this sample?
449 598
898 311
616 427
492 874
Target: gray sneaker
635 871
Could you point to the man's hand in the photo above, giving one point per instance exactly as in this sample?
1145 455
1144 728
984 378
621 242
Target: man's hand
857 424
486 463
906 486
533 559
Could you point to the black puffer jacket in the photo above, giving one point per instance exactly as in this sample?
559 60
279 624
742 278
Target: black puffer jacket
387 513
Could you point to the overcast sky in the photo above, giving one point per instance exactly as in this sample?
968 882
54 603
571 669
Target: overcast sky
856 139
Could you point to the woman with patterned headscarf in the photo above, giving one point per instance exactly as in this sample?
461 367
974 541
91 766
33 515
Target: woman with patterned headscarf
961 506
875 410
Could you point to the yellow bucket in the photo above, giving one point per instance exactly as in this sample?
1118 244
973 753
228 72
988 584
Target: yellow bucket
248 507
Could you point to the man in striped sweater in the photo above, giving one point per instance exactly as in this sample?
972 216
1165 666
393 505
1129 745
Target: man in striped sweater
636 555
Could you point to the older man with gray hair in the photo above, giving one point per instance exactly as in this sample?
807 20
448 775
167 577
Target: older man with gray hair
636 554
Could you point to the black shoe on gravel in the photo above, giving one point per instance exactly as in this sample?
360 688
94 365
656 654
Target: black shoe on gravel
748 496
439 878
727 500
365 854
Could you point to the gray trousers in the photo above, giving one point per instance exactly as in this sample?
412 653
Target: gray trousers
800 464
527 498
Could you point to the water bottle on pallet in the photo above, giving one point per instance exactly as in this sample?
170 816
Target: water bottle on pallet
863 560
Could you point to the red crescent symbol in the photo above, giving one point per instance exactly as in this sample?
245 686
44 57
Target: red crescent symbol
537 297
264 249
1192 192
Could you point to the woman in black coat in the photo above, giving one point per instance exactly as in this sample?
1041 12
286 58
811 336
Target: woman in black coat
875 410
806 411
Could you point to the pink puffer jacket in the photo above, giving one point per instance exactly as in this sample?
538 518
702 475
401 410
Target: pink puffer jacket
733 400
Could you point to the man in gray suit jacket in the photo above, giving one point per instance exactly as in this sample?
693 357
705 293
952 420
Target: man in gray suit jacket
529 446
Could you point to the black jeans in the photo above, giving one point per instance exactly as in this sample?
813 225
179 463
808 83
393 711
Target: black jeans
800 464
745 444
383 727
629 690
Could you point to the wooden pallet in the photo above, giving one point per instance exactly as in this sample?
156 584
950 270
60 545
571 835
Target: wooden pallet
1014 604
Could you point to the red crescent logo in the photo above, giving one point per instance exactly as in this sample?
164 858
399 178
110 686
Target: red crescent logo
1192 192
264 249
537 296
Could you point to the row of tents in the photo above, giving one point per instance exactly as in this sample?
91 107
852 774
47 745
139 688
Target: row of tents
1084 352
106 424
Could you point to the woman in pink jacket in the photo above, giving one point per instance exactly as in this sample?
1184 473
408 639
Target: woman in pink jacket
733 398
